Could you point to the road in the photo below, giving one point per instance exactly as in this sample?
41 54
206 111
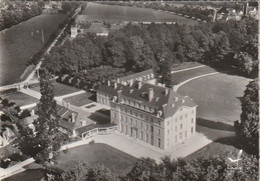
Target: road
29 80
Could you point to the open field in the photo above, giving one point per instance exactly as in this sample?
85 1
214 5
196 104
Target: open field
102 12
60 89
20 99
80 100
117 161
185 75
217 96
20 42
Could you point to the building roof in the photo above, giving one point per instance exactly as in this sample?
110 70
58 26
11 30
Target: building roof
136 75
164 100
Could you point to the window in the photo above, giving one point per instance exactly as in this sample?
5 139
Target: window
141 125
126 119
191 130
141 115
180 126
142 135
159 131
146 127
176 119
176 128
176 138
114 114
168 123
168 131
185 134
180 135
159 142
192 112
191 120
186 115
136 114
146 118
146 137
126 130
181 118
151 128
131 112
131 121
122 117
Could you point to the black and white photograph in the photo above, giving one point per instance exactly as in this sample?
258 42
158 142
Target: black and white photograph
129 90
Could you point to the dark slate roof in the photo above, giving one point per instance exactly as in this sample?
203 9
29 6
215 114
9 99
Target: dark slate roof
168 104
136 75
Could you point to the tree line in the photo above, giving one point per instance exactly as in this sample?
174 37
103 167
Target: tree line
226 45
17 12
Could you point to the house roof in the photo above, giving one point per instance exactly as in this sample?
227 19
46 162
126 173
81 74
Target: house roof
136 75
168 103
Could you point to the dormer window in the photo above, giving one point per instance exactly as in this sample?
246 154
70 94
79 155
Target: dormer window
176 99
152 110
126 102
142 107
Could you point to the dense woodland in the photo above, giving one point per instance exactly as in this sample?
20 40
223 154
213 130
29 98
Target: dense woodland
18 12
226 45
213 168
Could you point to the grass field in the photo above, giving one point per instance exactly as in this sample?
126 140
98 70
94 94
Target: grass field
80 100
20 99
117 161
60 89
18 45
185 75
104 12
217 96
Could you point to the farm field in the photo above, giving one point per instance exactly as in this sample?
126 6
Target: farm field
80 100
20 99
60 89
217 96
185 75
20 42
117 161
103 12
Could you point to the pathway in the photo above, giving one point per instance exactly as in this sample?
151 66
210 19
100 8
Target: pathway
199 66
176 87
4 173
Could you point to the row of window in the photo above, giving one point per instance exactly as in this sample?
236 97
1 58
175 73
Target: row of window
176 120
137 105
138 115
142 136
180 136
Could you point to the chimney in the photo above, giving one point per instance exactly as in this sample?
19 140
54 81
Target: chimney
117 80
176 99
32 112
166 91
150 94
115 85
119 94
131 82
139 85
108 83
73 117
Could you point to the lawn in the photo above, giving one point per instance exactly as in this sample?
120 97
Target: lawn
60 89
103 12
20 99
20 42
185 65
185 75
80 100
217 96
117 161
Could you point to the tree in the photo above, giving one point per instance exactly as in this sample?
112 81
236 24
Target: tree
44 142
165 73
46 126
248 127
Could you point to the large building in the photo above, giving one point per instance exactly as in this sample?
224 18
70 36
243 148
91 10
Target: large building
154 114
